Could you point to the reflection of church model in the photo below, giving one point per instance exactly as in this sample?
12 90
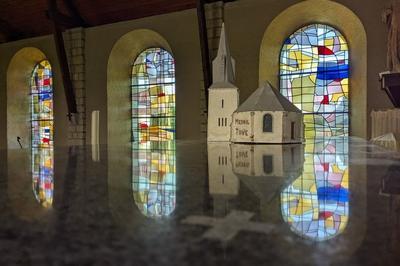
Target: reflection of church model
265 117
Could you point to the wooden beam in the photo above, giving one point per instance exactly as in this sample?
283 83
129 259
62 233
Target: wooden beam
9 32
63 20
225 1
66 76
74 12
63 60
205 52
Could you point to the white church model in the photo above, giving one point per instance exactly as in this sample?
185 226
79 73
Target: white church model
265 117
223 95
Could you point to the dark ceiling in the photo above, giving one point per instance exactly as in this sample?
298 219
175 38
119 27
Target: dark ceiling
28 18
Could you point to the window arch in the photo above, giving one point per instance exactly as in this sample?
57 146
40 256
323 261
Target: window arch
153 96
314 75
42 132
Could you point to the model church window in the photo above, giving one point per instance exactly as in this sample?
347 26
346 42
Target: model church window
314 75
153 96
292 129
268 163
267 124
42 132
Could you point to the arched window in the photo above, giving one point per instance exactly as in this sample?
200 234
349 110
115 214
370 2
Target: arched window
314 75
267 123
42 131
153 128
153 96
42 117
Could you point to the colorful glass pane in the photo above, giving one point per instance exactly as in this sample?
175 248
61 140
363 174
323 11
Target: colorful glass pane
316 205
42 105
42 133
314 75
42 176
153 96
154 178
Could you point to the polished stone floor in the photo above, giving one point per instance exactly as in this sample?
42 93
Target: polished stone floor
329 202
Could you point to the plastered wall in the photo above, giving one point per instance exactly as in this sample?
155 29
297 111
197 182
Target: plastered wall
246 22
44 45
18 84
179 30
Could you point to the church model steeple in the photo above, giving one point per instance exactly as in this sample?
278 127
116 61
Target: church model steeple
223 95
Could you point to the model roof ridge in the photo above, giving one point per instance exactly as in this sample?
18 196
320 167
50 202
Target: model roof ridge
267 98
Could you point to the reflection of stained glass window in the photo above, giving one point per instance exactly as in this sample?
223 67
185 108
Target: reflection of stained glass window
42 133
316 205
42 105
42 176
153 96
154 178
314 75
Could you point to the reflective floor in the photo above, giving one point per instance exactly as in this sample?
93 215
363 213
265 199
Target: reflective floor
329 202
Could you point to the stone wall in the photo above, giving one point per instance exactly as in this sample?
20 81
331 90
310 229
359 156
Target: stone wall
75 48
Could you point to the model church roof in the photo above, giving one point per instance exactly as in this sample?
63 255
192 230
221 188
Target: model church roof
223 64
267 98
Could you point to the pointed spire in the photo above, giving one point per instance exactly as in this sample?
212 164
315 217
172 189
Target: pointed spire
223 64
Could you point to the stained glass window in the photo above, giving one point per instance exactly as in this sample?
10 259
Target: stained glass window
316 205
42 105
154 178
314 75
153 96
42 133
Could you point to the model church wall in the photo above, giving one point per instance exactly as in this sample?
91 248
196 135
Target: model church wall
249 127
222 103
268 160
222 180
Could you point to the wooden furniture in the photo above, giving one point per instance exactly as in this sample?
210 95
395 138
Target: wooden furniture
391 84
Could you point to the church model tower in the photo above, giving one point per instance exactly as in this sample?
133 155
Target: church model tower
223 95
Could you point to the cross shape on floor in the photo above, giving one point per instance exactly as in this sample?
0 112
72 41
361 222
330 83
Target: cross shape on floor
225 229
